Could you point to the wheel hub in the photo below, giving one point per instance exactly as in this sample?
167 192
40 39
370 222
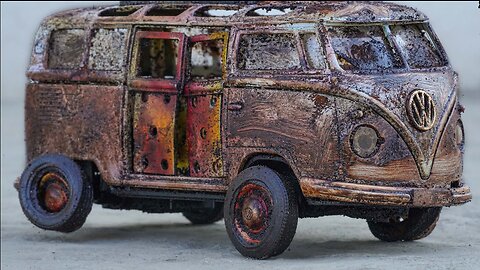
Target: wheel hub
252 216
53 192
253 213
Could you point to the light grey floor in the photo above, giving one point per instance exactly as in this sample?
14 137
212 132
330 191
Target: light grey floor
134 240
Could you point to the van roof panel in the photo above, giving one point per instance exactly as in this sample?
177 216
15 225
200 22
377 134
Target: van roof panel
306 11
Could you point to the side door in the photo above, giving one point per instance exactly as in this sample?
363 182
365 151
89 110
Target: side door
205 74
155 81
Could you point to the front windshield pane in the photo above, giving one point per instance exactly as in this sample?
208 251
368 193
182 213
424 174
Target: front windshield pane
362 48
418 46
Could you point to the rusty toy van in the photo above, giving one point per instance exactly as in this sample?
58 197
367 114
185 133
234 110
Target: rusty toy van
257 112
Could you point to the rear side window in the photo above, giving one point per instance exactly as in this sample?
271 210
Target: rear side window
267 51
66 49
108 49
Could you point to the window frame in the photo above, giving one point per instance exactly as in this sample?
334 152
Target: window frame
435 43
202 38
109 75
157 84
387 42
83 63
206 86
386 27
256 72
322 43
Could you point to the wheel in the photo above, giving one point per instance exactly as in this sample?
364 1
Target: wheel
419 224
206 215
261 212
54 194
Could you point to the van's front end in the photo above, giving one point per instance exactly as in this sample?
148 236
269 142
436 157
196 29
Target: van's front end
401 136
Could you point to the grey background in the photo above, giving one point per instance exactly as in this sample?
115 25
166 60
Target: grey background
113 239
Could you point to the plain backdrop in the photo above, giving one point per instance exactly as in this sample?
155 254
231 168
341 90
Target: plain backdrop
456 23
113 239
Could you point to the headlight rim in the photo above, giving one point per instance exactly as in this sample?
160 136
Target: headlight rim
376 148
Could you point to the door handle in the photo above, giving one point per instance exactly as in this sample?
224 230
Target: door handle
235 106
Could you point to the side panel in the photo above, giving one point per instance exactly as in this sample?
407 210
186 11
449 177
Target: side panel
299 126
83 122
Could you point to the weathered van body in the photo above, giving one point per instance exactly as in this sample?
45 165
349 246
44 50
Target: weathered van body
354 106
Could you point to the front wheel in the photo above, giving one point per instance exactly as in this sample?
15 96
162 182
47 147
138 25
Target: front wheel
261 212
419 224
55 194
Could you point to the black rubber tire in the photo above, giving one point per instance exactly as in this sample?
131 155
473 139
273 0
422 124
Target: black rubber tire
79 204
282 218
205 216
419 224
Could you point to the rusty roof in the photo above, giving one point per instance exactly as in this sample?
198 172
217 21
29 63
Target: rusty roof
287 12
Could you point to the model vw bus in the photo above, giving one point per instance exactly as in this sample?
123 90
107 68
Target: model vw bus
261 113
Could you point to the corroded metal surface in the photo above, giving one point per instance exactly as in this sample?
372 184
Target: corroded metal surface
83 122
360 106
203 136
153 133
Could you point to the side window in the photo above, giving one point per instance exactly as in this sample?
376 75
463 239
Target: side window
313 51
206 59
108 49
267 51
157 58
66 49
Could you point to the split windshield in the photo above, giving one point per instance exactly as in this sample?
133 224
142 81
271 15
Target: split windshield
380 48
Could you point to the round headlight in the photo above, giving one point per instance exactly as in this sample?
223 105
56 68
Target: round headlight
364 141
459 134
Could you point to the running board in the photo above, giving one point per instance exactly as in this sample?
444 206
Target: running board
135 192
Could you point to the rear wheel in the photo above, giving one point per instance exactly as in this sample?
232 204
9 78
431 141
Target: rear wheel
54 194
419 224
261 212
206 215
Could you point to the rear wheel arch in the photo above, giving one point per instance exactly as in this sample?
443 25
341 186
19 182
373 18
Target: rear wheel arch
92 174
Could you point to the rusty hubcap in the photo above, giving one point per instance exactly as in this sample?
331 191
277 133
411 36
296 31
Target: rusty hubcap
53 192
252 212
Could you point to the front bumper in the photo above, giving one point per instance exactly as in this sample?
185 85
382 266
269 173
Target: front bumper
383 195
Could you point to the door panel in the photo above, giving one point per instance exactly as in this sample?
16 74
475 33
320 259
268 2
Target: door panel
154 81
176 118
203 91
203 135
153 136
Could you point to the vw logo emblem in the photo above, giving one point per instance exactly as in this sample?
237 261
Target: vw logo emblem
421 110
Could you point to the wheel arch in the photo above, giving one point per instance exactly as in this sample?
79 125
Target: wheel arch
281 166
92 174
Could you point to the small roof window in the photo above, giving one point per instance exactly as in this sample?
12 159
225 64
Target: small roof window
270 11
119 11
166 11
212 11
